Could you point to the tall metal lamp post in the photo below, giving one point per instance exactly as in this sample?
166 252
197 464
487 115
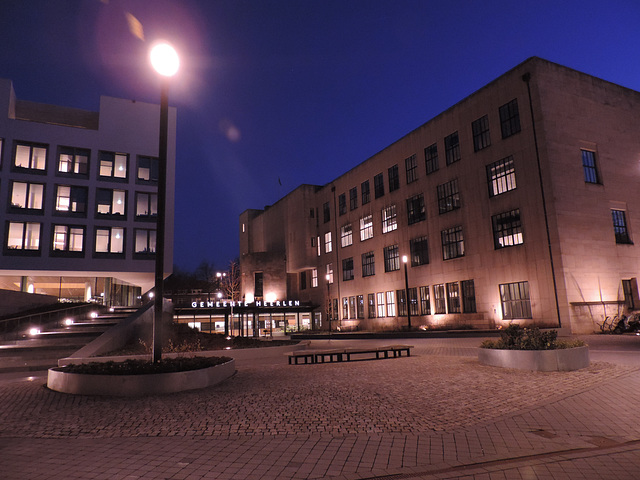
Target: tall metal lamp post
165 61
406 291
329 313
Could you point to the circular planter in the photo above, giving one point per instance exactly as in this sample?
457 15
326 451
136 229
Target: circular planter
137 385
564 359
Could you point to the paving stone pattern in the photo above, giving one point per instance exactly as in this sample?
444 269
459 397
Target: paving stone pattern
436 414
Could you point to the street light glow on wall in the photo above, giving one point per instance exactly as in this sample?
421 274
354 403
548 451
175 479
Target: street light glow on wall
165 61
405 259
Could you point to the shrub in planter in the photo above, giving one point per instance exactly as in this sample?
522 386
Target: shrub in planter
515 337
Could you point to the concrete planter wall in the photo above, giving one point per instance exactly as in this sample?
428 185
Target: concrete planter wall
564 360
137 385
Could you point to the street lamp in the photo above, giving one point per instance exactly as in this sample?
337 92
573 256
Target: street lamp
406 291
165 61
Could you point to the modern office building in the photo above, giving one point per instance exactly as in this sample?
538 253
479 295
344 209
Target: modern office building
80 190
517 204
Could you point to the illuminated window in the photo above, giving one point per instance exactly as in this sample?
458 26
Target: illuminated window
68 238
431 158
391 304
507 229
439 300
23 236
145 240
345 308
72 199
30 156
360 306
453 297
402 303
368 264
448 196
411 168
425 301
366 228
314 278
371 305
452 148
110 202
509 118
480 130
109 240
27 195
73 160
515 300
147 170
389 219
391 258
147 205
346 235
382 307
328 246
501 176
113 165
330 272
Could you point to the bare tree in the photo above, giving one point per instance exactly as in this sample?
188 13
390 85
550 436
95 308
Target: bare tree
230 281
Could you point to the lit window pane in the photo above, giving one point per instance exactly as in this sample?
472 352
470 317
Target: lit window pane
19 195
32 236
23 153
120 166
118 202
15 235
117 240
76 236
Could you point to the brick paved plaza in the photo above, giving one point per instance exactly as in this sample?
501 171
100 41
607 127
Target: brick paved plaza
436 414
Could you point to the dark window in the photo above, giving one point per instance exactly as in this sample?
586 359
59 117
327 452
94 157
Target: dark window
258 285
345 307
73 160
353 198
431 158
394 178
303 280
439 300
71 199
448 196
326 210
347 269
468 296
415 209
453 297
620 226
148 168
589 166
413 300
452 148
366 192
368 264
630 290
501 176
378 185
391 258
402 303
419 251
452 243
360 306
371 305
507 229
425 301
342 204
515 300
509 118
411 168
480 130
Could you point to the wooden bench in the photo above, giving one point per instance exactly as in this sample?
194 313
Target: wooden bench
345 354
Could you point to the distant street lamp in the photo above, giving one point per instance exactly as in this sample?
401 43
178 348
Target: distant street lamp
165 61
406 291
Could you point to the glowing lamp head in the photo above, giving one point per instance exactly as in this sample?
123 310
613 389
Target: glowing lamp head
34 331
404 259
164 59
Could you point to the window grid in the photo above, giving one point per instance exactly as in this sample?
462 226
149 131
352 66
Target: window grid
145 241
419 248
391 258
394 178
24 236
371 303
501 176
314 278
415 209
365 192
507 229
411 168
326 212
448 196
425 301
453 297
346 235
431 158
468 296
328 244
452 148
109 240
366 228
67 239
382 306
31 157
439 300
402 303
342 204
452 243
481 136
389 219
360 306
353 198
620 227
391 304
347 269
378 185
27 195
589 166
509 118
515 300
73 160
368 264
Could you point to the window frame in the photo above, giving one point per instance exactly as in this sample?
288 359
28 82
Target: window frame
366 229
590 166
515 300
68 234
509 118
431 158
76 166
391 255
419 250
394 178
448 196
368 264
621 227
347 269
481 133
389 218
416 211
501 176
378 186
507 226
452 242
452 148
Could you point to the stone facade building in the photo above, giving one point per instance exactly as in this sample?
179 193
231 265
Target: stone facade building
517 204
80 190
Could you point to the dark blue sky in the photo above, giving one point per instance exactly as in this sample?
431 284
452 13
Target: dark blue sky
272 94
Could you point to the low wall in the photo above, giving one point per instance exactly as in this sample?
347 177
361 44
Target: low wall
564 359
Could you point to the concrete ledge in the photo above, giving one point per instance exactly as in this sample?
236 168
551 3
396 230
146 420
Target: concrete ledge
137 385
564 360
